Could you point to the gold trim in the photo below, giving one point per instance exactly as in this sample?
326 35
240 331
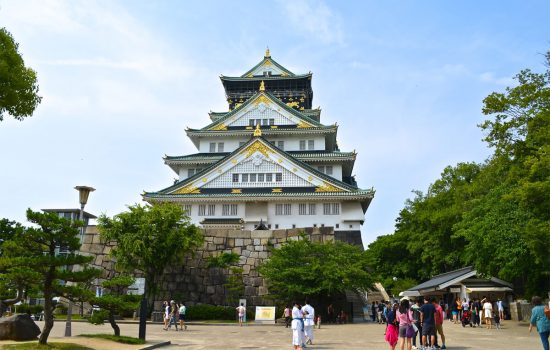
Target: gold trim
248 128
292 104
257 146
326 187
204 179
294 169
267 53
236 190
262 86
274 126
188 189
309 178
260 99
234 161
276 190
303 125
258 131
219 127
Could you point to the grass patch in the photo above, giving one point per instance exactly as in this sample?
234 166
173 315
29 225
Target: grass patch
119 339
49 346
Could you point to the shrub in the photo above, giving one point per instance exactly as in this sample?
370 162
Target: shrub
214 312
29 309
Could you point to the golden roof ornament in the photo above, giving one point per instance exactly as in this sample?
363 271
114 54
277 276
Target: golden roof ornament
258 131
267 54
262 86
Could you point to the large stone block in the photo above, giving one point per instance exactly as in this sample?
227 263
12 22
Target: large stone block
262 290
259 248
219 240
262 255
239 242
279 234
18 327
245 253
246 269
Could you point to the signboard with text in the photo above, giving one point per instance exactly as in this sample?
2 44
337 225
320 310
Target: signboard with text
265 314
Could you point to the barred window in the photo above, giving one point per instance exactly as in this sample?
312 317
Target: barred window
211 209
331 208
269 177
252 177
328 170
202 209
287 209
244 177
321 168
220 146
187 209
279 177
312 208
234 209
261 177
281 144
302 145
278 209
302 209
310 144
212 147
229 209
271 121
235 177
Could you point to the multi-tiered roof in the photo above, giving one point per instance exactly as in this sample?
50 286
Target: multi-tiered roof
268 106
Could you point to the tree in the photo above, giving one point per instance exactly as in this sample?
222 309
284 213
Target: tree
34 250
114 301
148 239
304 268
18 85
234 284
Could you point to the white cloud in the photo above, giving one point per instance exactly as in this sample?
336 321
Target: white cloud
316 19
489 77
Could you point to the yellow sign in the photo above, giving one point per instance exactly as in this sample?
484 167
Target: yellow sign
265 313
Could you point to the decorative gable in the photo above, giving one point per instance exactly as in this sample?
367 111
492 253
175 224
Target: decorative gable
267 68
266 110
257 159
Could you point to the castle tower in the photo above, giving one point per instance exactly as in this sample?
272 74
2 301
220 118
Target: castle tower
268 159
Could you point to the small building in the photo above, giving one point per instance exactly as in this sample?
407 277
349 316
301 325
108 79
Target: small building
464 284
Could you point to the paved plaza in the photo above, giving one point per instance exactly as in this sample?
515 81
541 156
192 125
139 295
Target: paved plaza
351 336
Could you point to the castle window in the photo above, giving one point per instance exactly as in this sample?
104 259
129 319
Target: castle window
321 168
269 177
283 209
229 209
302 145
261 177
331 208
251 122
187 209
337 225
212 147
271 121
244 177
312 208
310 144
190 172
302 209
252 177
211 209
220 146
328 170
202 209
278 177
281 144
235 177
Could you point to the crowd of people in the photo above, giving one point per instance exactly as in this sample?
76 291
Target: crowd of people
174 313
301 319
423 320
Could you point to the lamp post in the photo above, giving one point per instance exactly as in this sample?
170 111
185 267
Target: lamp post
84 193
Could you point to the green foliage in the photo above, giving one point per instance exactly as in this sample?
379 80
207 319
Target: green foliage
235 285
114 301
149 238
29 309
119 339
18 85
214 312
494 216
222 260
31 256
304 268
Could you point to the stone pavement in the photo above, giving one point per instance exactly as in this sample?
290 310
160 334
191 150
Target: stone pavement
352 336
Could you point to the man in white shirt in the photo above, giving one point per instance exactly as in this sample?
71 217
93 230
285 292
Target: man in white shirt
297 327
309 321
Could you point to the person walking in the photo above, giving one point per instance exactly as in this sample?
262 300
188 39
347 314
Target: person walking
427 318
297 326
500 308
309 321
392 332
182 310
286 315
380 310
540 320
174 311
416 316
241 311
438 318
374 310
166 318
406 320
488 313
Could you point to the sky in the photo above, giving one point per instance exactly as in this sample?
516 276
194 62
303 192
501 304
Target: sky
121 80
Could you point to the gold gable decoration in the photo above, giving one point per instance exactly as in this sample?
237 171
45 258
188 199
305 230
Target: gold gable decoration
260 99
188 189
267 54
326 187
257 147
262 86
303 125
219 127
258 131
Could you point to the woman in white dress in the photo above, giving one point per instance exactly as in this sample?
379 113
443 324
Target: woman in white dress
488 313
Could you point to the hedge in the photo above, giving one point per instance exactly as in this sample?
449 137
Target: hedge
214 312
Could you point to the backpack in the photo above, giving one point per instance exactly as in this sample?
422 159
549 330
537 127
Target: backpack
547 312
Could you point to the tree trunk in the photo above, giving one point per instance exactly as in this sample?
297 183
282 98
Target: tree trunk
48 318
112 321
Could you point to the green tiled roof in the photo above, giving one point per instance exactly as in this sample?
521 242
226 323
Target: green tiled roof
323 129
271 61
263 77
301 155
291 110
365 194
287 155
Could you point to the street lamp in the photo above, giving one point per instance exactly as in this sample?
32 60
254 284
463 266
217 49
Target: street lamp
84 193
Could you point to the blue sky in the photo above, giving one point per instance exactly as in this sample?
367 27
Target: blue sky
121 80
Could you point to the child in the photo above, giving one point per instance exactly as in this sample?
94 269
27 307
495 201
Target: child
497 320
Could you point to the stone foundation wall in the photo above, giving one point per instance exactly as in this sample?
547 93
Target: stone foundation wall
193 282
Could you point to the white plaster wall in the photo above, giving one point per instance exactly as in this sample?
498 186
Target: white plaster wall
292 143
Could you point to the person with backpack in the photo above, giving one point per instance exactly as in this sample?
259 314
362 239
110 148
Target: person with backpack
415 308
540 319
